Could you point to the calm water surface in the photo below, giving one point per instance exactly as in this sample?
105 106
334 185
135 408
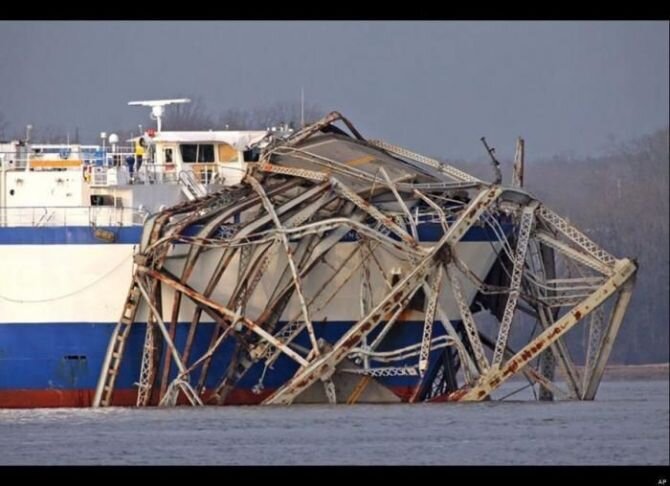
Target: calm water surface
627 424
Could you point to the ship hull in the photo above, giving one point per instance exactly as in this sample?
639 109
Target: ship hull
58 364
63 289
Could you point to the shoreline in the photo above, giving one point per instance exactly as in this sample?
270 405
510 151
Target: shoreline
656 371
618 372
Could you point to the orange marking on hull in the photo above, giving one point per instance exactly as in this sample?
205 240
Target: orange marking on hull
54 164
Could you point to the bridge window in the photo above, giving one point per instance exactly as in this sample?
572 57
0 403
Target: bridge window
191 152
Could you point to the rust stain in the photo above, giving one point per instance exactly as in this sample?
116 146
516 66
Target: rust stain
555 332
360 160
511 368
351 341
457 395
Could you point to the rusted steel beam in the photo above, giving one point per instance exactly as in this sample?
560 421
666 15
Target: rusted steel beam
581 257
329 166
114 355
224 214
228 256
324 366
310 130
195 400
624 270
446 169
525 227
289 255
374 212
431 308
468 321
292 211
150 354
229 314
293 328
436 208
395 299
607 342
427 335
573 234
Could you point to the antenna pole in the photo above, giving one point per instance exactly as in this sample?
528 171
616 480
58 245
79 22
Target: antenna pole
302 107
517 176
494 161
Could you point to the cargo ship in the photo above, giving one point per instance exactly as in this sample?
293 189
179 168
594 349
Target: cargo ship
78 226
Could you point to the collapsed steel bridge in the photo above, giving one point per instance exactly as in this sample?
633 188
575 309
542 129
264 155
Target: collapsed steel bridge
345 270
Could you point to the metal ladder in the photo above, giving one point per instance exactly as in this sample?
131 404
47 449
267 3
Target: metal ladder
112 363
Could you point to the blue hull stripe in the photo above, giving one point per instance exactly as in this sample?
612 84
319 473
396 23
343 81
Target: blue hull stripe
68 356
85 235
67 235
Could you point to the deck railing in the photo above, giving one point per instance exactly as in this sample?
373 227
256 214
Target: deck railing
35 216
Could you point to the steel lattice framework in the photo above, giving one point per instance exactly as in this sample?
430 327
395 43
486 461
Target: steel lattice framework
345 271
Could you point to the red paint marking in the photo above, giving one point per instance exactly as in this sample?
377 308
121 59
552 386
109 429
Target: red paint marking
128 397
60 398
451 397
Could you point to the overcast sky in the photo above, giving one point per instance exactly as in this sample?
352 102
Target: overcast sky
435 87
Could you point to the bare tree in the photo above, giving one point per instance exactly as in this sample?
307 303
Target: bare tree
4 126
195 116
188 116
260 118
48 134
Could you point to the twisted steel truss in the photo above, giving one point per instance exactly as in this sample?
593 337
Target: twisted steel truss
345 271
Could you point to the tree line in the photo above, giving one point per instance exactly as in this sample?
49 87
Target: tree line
188 116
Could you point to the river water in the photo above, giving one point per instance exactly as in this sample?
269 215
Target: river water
626 425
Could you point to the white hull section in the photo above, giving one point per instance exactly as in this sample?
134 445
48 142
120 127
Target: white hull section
89 283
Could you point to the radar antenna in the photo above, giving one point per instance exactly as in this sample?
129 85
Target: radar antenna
158 107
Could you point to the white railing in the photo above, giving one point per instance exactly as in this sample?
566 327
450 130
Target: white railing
21 158
105 168
36 216
150 173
